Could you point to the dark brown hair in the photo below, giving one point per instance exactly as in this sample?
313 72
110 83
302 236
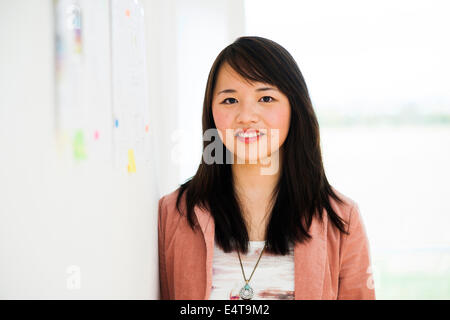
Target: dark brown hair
302 190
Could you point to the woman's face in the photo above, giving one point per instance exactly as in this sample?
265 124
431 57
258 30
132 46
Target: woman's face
238 105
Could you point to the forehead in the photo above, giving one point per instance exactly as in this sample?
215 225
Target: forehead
227 78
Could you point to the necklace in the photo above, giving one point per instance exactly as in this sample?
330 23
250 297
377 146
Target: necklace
246 292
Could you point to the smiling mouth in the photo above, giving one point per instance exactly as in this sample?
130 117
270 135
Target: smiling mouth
249 133
249 137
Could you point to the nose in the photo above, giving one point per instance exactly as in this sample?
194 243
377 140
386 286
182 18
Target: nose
247 113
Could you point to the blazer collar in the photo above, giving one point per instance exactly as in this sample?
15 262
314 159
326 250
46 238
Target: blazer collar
309 258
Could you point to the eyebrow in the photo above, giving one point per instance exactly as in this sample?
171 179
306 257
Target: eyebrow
257 90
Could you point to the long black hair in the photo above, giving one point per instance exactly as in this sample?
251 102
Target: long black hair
302 190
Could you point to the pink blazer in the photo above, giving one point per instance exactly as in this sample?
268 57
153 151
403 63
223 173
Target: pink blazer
330 266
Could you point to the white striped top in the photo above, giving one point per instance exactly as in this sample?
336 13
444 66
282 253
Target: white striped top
273 278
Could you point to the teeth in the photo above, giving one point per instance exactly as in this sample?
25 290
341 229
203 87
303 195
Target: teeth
249 135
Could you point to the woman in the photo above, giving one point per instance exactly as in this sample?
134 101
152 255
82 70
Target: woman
259 219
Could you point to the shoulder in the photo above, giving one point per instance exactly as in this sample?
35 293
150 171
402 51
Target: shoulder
346 209
167 207
169 200
171 217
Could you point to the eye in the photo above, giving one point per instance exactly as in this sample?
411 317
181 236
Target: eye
271 99
267 99
227 99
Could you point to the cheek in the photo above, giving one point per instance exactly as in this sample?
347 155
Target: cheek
222 118
280 119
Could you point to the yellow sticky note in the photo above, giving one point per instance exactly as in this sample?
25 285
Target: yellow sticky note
131 162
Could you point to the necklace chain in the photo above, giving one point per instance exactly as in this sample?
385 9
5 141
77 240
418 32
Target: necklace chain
242 268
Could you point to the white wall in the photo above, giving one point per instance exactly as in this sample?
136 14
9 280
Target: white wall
61 223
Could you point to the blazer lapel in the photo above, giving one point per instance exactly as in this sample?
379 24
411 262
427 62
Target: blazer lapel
309 258
207 225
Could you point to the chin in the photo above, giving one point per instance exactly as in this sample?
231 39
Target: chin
249 160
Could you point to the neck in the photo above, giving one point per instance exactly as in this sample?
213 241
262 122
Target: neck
254 191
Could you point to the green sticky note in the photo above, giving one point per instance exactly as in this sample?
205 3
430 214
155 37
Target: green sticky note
79 148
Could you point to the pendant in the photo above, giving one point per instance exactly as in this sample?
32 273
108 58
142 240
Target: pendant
246 292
